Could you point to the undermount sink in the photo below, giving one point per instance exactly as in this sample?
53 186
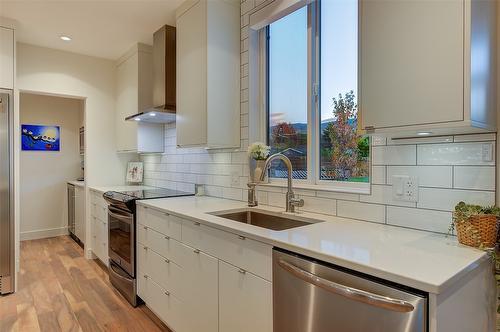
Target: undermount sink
264 219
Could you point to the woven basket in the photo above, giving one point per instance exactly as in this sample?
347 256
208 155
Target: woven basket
480 230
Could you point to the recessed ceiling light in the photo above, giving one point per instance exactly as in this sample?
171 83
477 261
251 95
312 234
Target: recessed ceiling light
65 38
137 119
152 114
424 133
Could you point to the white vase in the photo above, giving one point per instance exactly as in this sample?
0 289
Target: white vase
256 169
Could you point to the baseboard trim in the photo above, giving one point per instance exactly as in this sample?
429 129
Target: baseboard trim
43 233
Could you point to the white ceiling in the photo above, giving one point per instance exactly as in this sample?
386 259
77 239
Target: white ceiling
104 29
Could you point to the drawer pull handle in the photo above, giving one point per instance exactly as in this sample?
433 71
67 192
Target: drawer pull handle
167 261
242 271
145 248
241 237
167 237
146 276
146 227
167 293
167 214
197 223
145 207
196 251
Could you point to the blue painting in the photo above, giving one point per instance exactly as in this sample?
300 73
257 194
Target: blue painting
40 138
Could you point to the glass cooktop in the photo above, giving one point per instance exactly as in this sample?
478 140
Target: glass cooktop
126 196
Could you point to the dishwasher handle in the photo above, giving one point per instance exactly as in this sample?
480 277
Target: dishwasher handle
346 291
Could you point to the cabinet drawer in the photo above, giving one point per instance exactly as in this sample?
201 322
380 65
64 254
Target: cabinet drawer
162 270
162 222
162 302
97 199
240 251
162 244
240 293
99 212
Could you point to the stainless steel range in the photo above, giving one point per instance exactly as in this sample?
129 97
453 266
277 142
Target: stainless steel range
122 236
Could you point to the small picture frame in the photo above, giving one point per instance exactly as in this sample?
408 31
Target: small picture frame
135 171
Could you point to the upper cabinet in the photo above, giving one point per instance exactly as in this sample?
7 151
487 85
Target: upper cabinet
427 67
134 93
6 58
208 74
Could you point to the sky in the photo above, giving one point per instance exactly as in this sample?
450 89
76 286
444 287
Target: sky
288 60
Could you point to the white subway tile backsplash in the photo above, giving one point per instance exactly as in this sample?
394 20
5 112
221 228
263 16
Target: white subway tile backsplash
429 220
420 140
428 176
474 177
338 195
383 195
319 205
394 155
454 154
446 199
378 174
361 211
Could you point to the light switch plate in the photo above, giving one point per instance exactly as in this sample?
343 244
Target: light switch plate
405 188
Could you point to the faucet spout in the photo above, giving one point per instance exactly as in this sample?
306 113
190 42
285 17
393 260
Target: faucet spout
291 201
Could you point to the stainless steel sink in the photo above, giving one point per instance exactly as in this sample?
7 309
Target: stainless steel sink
265 219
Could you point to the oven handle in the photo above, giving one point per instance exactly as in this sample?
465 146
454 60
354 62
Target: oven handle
120 215
117 273
348 292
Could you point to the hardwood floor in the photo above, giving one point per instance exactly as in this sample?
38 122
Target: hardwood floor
59 290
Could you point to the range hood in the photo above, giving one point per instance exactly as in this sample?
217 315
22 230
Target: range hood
164 63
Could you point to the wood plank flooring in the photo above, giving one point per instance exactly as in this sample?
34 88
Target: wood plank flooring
59 290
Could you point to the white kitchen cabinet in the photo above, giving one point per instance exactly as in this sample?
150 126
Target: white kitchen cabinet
80 213
134 93
199 291
215 278
6 58
99 226
208 74
241 293
427 66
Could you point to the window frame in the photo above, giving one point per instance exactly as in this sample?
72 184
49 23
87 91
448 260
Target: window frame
313 180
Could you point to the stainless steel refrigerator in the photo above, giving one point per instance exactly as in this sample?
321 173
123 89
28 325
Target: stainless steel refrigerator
7 269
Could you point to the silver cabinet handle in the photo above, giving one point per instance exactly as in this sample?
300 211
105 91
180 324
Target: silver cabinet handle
145 207
241 237
146 227
167 214
167 261
167 237
346 291
167 293
196 251
146 276
242 271
145 248
197 223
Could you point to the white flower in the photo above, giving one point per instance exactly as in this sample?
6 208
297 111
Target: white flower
259 151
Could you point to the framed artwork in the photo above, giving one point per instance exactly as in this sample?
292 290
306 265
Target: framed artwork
135 171
40 138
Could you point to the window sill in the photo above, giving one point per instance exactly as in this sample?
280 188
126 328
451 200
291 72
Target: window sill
364 190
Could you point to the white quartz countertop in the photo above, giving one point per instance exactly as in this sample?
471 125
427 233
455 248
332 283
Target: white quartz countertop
77 183
422 260
103 189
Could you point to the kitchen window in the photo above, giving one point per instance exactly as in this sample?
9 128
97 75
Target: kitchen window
310 79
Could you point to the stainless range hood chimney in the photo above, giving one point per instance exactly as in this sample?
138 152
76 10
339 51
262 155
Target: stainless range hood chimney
164 63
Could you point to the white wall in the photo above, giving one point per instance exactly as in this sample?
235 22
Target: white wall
43 175
458 172
55 72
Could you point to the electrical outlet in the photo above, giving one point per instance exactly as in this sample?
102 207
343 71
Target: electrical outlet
487 152
235 179
405 188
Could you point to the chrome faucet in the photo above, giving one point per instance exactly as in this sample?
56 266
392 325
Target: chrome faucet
291 200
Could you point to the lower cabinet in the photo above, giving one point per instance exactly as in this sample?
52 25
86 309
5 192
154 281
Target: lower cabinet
245 301
192 290
99 226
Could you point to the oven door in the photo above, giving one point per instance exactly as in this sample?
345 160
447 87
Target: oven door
121 232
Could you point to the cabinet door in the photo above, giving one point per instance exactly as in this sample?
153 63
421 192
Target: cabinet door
412 62
245 301
199 292
191 122
6 58
126 103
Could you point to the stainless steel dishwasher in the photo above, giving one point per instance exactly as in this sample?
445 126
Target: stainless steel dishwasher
312 296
